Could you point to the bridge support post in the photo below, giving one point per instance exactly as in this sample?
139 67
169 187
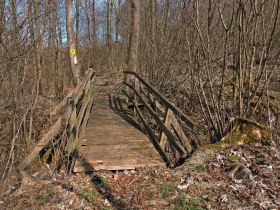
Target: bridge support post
137 88
126 79
167 123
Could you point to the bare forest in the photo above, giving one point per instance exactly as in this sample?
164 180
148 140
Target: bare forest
217 60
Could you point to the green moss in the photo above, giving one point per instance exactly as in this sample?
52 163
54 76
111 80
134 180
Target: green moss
266 137
44 196
45 157
210 146
200 168
201 131
160 159
246 132
234 158
35 166
184 202
104 181
208 157
88 194
141 148
166 190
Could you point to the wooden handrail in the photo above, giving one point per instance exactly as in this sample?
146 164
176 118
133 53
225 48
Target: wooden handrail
169 135
168 104
171 130
152 136
75 93
72 118
76 123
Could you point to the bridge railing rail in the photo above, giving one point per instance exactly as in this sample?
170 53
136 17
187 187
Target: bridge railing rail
71 114
171 132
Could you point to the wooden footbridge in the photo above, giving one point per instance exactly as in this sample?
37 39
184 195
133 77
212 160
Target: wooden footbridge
140 128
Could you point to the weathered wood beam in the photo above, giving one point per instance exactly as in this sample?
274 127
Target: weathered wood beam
153 138
157 105
57 110
85 120
75 124
54 130
168 104
76 92
76 96
62 121
167 123
169 135
180 133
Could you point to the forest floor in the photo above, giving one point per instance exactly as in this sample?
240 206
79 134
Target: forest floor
235 177
243 177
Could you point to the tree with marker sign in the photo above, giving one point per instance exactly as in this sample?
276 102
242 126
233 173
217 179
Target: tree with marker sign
75 67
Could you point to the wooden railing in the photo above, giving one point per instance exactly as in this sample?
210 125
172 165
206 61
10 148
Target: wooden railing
72 113
139 91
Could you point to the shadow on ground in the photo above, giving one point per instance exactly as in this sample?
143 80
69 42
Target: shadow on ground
104 189
117 106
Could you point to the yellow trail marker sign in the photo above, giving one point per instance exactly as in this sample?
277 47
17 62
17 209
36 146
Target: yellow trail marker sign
72 51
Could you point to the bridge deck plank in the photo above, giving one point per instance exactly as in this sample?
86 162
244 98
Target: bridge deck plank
112 143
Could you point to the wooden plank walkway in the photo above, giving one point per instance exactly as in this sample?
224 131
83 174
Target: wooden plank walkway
111 142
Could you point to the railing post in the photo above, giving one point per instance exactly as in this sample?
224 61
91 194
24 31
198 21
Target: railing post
126 88
137 88
77 120
86 116
167 123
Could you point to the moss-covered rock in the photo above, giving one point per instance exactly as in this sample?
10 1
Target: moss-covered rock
245 132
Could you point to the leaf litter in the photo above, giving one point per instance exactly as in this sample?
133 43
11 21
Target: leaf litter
237 177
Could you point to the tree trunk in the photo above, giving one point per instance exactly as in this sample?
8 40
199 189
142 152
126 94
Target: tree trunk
93 23
78 3
165 17
2 17
109 38
118 21
91 29
14 21
153 33
134 36
71 42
